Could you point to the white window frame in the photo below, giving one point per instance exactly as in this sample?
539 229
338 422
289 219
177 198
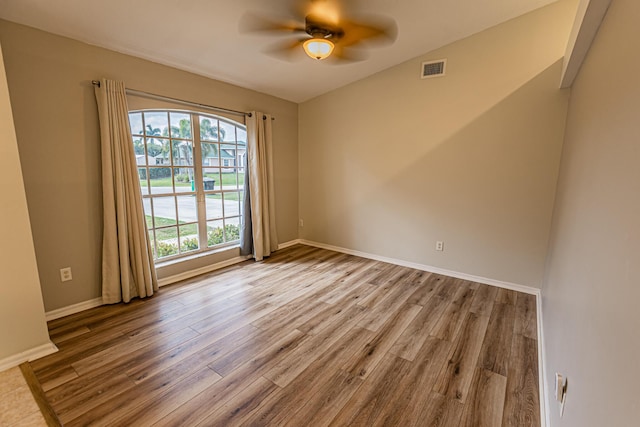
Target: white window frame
199 192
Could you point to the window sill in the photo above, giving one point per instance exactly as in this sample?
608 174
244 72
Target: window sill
198 255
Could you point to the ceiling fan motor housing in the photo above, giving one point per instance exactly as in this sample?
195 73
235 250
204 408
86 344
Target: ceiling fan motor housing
316 28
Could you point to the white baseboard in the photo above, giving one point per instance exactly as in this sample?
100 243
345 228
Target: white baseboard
289 243
97 302
73 309
430 269
198 271
28 355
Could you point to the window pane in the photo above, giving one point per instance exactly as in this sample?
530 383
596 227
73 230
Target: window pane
189 238
180 125
142 158
241 155
228 151
214 206
232 229
160 180
215 233
164 211
183 179
153 243
210 154
138 149
231 206
227 131
229 179
164 156
167 241
187 209
228 157
157 151
135 122
211 177
208 129
156 124
144 185
182 153
241 136
146 203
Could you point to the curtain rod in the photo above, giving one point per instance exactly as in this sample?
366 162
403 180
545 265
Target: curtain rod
179 101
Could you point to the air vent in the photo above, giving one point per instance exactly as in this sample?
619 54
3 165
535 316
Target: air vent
433 68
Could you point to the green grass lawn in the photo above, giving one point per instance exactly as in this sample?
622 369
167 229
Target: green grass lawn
227 196
160 222
164 182
170 233
227 179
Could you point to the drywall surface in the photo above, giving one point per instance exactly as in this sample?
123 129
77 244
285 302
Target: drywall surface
22 323
592 288
393 163
58 138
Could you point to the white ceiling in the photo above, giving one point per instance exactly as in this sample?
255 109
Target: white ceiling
202 36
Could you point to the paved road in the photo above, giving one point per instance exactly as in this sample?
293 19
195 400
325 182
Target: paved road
165 207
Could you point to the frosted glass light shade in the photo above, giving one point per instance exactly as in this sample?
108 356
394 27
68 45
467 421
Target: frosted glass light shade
318 48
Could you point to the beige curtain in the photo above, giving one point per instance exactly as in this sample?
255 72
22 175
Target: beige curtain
261 188
127 260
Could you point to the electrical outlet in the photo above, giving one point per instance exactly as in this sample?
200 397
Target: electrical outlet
439 246
65 274
301 222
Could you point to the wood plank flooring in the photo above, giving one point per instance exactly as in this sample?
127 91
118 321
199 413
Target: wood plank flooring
308 337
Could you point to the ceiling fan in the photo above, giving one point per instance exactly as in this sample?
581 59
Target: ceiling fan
321 29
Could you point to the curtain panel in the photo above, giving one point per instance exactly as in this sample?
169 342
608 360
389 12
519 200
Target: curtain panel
259 236
127 261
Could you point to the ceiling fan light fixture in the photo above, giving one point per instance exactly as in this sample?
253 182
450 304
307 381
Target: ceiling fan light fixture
318 48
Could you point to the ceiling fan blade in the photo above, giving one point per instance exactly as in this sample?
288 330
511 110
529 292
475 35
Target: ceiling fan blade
344 55
287 51
255 23
375 30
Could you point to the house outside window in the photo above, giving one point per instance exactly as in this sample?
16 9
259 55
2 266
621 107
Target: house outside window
192 194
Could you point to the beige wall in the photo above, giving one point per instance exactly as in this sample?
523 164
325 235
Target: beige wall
591 293
22 323
392 163
57 128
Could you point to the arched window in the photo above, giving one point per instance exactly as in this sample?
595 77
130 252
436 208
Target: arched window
191 170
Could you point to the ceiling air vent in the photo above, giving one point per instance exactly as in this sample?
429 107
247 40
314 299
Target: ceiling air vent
433 68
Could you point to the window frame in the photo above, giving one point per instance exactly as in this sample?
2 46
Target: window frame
199 170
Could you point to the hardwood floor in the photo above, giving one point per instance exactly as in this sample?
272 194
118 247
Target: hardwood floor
308 337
